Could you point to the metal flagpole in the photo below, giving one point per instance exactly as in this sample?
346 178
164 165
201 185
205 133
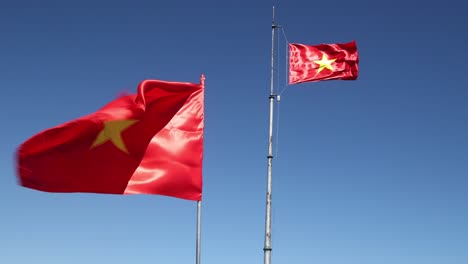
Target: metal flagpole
267 247
198 232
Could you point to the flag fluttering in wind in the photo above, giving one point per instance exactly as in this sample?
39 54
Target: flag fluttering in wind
323 62
146 143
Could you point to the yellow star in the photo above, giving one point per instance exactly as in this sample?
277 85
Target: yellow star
112 131
325 63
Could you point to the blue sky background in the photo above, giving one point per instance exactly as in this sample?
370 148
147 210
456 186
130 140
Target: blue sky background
367 171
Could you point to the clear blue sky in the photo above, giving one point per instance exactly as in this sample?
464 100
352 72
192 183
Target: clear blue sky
367 171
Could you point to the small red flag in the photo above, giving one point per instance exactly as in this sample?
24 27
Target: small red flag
150 142
323 62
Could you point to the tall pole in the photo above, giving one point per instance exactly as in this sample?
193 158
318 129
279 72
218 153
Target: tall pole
267 247
198 244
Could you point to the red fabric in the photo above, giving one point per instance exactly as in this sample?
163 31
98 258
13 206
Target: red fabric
304 62
164 147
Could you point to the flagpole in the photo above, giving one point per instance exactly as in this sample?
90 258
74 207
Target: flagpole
267 246
198 244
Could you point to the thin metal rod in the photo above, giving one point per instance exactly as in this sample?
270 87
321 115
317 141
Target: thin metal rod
198 231
267 247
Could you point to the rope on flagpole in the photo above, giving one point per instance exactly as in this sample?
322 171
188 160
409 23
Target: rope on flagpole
286 62
278 52
284 34
285 84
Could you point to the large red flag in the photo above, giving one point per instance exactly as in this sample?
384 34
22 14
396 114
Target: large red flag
323 62
150 142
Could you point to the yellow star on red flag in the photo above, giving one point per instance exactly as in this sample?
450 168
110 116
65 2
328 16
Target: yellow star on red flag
324 63
112 132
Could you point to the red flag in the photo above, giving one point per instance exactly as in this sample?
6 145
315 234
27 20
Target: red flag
323 62
150 142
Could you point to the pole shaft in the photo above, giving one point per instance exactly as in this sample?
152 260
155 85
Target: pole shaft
198 244
267 246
